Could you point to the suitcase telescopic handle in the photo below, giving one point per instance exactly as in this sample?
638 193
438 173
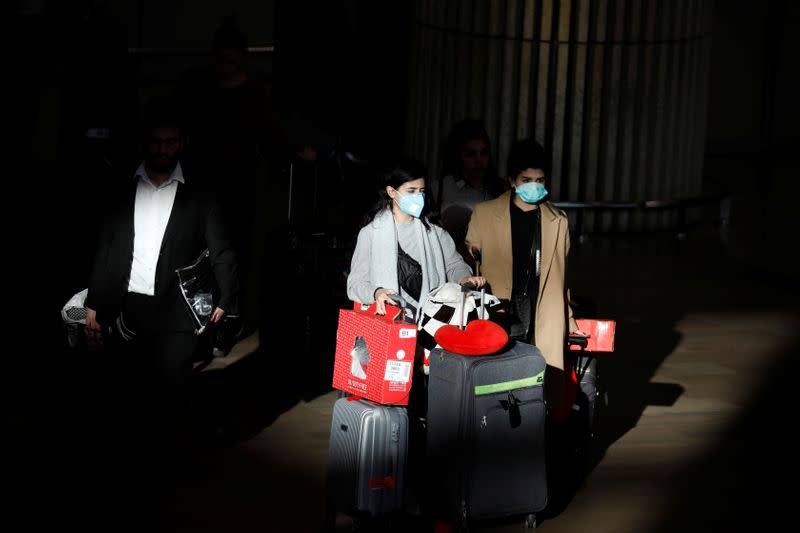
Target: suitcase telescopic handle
578 340
476 254
466 288
401 301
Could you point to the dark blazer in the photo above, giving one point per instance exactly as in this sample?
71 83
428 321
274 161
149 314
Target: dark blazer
194 224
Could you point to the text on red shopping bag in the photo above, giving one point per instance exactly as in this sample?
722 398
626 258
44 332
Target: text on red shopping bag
374 355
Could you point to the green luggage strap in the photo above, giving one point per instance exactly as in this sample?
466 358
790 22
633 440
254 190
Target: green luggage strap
494 388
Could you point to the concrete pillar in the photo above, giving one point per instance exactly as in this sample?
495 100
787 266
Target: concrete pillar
616 90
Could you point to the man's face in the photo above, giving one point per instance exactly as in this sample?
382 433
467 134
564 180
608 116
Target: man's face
163 149
227 63
475 158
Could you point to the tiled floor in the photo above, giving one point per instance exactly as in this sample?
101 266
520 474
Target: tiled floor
693 439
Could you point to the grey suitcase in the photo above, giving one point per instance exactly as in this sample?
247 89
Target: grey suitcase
367 457
485 434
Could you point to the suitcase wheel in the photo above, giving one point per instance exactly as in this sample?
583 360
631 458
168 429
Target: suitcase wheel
530 521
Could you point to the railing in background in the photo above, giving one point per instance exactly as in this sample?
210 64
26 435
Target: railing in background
679 206
192 51
615 91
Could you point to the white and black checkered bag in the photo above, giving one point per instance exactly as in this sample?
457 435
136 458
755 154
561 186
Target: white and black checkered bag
444 307
74 316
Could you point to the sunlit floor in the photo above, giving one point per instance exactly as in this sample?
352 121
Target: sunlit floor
693 438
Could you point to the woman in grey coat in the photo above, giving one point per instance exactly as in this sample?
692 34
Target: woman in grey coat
399 250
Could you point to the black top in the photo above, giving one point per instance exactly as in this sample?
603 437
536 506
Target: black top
525 239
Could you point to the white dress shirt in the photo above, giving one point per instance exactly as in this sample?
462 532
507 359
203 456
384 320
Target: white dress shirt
151 214
456 191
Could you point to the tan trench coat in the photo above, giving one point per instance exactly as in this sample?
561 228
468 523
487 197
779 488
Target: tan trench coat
490 232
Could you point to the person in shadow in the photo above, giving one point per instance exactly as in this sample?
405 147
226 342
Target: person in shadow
468 178
234 137
155 223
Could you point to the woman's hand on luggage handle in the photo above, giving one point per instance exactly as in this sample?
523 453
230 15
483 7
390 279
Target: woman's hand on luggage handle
578 338
381 299
217 315
478 281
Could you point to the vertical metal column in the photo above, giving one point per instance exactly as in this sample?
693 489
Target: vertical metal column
616 90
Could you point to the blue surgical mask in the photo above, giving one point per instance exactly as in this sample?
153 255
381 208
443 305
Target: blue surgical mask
412 203
531 192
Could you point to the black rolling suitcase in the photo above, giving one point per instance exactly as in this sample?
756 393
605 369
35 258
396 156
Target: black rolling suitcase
486 435
586 401
589 399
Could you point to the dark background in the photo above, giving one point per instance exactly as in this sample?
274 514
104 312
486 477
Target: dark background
338 79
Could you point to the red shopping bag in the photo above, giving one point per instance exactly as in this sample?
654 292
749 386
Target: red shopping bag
374 354
601 335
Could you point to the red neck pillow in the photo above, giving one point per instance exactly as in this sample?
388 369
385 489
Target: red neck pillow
481 337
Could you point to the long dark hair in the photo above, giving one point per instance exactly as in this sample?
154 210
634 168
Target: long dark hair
394 174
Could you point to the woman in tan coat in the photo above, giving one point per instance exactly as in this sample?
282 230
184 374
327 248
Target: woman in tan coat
523 242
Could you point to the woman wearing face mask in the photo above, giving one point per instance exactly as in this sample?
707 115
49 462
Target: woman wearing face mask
399 250
523 242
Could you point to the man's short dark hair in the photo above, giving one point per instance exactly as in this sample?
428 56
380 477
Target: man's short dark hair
159 113
527 153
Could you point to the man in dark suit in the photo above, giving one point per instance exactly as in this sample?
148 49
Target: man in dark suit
158 222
